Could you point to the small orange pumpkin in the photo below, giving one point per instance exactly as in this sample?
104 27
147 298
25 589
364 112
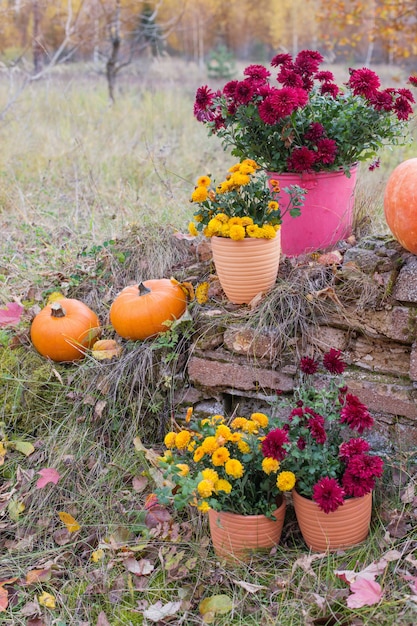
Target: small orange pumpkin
64 329
400 204
139 311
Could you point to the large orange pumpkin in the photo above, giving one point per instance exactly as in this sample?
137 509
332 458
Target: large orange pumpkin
400 204
64 329
139 311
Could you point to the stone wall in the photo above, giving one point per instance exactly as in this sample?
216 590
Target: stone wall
360 298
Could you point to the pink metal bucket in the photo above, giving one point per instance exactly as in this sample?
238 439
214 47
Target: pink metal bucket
327 214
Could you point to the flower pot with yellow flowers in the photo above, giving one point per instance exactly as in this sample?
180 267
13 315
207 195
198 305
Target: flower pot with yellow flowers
242 217
224 467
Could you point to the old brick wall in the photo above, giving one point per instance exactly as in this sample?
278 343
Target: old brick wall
368 296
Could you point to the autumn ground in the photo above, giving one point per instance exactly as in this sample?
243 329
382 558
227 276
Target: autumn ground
89 197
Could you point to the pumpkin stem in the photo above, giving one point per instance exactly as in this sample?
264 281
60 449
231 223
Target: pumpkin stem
57 310
143 290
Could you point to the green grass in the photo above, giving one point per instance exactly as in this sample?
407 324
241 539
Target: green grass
89 197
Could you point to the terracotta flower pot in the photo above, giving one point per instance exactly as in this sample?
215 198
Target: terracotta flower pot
246 267
235 536
344 528
327 214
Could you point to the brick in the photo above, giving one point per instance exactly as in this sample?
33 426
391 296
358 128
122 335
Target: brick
387 397
231 375
251 342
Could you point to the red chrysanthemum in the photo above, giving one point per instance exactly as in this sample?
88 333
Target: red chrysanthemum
326 151
333 362
366 466
316 426
257 72
203 101
364 82
289 78
328 494
324 76
243 92
315 132
280 103
329 89
297 412
273 444
301 443
301 160
402 108
308 61
355 414
353 447
355 486
229 89
307 364
413 80
281 59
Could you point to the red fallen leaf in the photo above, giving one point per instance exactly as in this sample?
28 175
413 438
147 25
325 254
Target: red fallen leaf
4 594
151 500
38 576
48 475
365 593
157 515
11 314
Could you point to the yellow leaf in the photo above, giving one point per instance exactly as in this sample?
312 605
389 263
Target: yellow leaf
69 521
15 508
97 555
24 447
47 599
54 297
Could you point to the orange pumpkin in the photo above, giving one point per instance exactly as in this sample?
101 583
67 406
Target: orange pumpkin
64 329
139 311
400 204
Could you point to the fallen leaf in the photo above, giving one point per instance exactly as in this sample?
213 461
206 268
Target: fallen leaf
54 297
365 593
102 619
47 599
157 612
140 568
215 605
10 316
97 555
15 508
38 576
29 609
24 447
48 475
139 483
408 494
70 522
250 587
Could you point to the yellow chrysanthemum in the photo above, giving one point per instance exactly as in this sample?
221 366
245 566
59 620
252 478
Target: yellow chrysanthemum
210 475
216 419
222 217
192 229
198 454
201 293
220 456
210 444
182 439
223 431
243 446
277 227
205 488
234 468
274 184
252 230
237 233
223 187
213 227
225 230
235 437
240 179
267 232
191 446
252 163
238 422
223 485
250 427
270 465
204 181
204 507
260 418
198 218
199 194
184 469
169 440
234 168
235 221
247 221
189 414
286 481
246 168
273 205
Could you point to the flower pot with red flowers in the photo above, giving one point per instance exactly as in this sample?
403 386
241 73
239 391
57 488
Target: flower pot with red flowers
221 467
293 119
323 441
242 218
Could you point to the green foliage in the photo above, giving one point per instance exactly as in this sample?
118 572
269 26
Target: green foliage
220 63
